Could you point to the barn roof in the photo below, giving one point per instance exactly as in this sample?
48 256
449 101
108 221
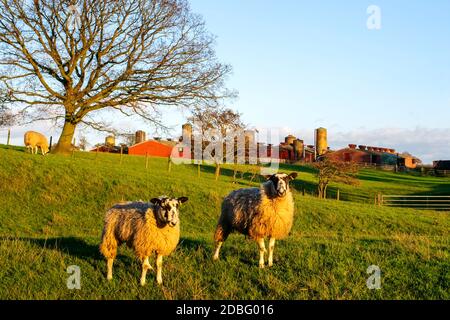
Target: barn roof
163 142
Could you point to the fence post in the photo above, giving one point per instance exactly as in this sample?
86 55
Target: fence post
380 200
51 142
121 154
9 137
169 167
338 196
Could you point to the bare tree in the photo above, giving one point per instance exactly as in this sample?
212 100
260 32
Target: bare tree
66 60
6 117
331 170
83 143
129 138
216 126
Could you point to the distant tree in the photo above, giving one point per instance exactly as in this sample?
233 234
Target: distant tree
330 170
66 60
215 124
83 144
129 138
6 117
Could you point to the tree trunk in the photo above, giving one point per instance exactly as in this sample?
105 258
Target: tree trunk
64 145
322 189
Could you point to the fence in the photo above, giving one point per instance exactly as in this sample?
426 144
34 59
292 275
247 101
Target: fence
416 202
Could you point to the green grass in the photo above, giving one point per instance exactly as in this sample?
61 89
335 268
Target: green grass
51 216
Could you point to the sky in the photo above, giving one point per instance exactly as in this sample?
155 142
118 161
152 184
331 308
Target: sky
299 65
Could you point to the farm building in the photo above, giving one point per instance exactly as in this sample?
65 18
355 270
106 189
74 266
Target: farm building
294 149
157 148
441 165
374 156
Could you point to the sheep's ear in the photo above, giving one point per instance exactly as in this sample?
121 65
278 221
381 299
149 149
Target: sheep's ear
267 176
182 199
156 201
293 175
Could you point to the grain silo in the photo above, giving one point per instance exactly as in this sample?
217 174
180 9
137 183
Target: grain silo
110 141
289 139
299 148
187 131
321 141
140 136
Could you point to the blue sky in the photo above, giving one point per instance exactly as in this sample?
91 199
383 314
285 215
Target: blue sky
298 65
303 64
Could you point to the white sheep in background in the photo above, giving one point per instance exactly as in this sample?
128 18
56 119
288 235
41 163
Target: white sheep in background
148 228
262 212
33 140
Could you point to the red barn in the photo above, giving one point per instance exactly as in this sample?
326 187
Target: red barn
155 148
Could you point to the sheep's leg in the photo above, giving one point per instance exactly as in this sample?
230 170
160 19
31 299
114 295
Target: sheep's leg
159 261
145 267
217 250
109 265
262 251
221 234
271 248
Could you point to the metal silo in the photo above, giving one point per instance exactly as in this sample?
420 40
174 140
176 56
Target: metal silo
299 147
187 131
289 139
321 141
110 141
140 136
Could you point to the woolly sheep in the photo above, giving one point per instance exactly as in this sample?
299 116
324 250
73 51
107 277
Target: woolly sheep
262 212
147 228
33 140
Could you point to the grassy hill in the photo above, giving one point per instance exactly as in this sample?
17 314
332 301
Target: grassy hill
51 216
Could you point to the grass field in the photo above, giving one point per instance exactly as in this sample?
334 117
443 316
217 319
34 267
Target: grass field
52 208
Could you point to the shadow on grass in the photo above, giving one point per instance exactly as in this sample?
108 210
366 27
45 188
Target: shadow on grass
191 244
11 147
73 246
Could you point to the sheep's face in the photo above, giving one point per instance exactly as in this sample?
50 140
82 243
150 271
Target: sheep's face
45 149
168 209
280 183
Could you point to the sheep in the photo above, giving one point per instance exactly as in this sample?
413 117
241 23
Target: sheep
33 140
146 227
262 212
